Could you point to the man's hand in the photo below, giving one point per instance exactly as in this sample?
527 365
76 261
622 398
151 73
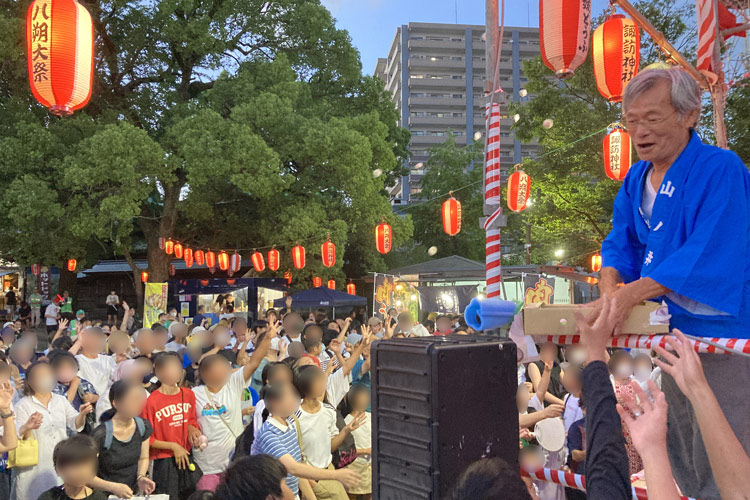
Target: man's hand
553 410
684 365
596 332
62 325
648 424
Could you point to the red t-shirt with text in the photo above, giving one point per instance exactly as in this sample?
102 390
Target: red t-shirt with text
170 417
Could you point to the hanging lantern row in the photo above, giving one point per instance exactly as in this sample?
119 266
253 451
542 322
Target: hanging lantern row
178 250
451 216
617 152
519 190
616 46
351 289
564 31
596 263
273 259
259 263
60 54
298 256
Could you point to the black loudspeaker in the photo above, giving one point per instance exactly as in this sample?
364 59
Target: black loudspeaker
439 404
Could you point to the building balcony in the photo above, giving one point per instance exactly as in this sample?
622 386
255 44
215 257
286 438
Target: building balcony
442 83
427 141
438 64
444 121
435 44
438 101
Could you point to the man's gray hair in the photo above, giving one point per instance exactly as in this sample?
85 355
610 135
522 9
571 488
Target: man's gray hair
684 90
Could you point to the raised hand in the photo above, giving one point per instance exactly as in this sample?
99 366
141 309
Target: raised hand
357 422
6 397
683 365
596 331
648 422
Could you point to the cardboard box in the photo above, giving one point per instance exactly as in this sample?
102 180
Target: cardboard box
647 318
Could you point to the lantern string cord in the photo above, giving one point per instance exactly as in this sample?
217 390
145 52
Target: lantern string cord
402 210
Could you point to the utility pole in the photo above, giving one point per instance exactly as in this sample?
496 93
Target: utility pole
527 246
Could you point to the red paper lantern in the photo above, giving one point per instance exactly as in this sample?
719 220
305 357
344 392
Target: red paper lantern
200 257
144 277
258 263
235 262
204 282
616 46
35 269
161 242
383 237
172 270
231 282
564 31
210 260
328 251
317 281
189 257
60 54
72 263
288 277
169 247
332 284
273 259
223 261
519 188
617 153
452 216
298 257
596 263
179 250
351 289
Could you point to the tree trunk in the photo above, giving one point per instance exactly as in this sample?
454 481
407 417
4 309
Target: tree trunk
158 261
137 284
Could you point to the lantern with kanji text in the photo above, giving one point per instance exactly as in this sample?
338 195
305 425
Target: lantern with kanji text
36 269
211 260
328 253
564 31
351 289
615 47
200 257
519 189
169 247
188 257
273 259
383 237
172 270
60 54
617 153
162 241
298 256
223 259
596 263
72 263
317 281
332 284
451 216
179 250
258 262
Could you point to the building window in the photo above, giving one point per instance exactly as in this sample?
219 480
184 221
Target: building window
458 115
457 77
457 39
458 96
457 58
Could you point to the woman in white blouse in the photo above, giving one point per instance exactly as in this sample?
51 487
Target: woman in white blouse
47 418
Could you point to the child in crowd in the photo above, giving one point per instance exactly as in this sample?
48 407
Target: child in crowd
643 369
358 404
75 389
171 411
317 422
279 438
621 370
75 462
8 436
93 365
119 346
178 333
144 342
160 336
47 417
273 374
573 382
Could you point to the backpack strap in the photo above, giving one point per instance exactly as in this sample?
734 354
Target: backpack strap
109 434
140 426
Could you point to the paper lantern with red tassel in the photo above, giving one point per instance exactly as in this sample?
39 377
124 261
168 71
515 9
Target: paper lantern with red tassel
317 281
179 250
383 237
72 263
298 257
60 54
188 257
451 216
564 32
144 277
616 47
596 263
328 253
617 153
169 247
258 263
519 188
332 284
235 262
351 289
36 269
273 259
210 259
223 259
200 257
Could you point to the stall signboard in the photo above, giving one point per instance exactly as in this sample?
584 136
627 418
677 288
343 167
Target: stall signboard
154 302
538 289
382 298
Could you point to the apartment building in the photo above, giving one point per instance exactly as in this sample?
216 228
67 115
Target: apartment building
436 75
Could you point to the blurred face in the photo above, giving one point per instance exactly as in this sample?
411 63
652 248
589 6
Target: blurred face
221 336
361 401
292 324
444 325
22 353
280 376
548 352
319 386
287 405
17 324
218 373
658 132
145 341
141 368
42 380
66 372
306 361
575 354
406 323
79 474
170 373
180 330
522 398
160 339
623 369
92 341
132 404
572 382
333 325
118 345
642 369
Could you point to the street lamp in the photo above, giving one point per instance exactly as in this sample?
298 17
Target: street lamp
559 253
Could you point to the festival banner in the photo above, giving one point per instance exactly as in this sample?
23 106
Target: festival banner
382 297
406 298
155 302
538 289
